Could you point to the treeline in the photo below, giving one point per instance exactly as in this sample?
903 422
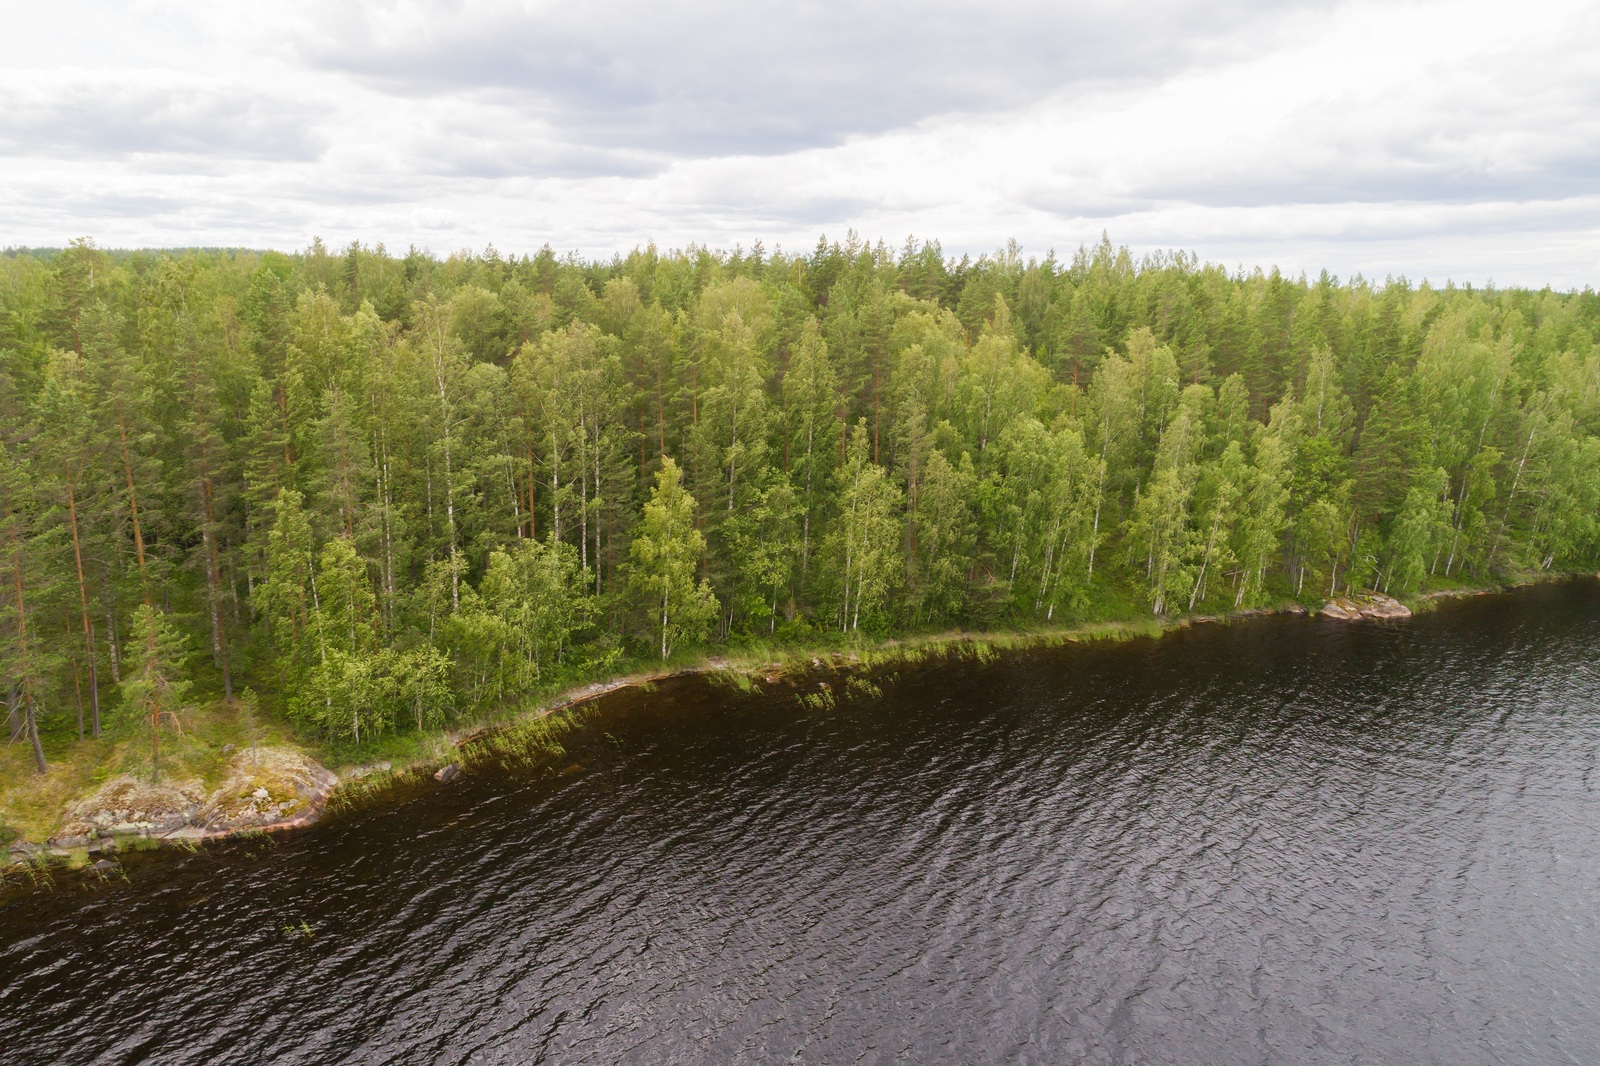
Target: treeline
388 491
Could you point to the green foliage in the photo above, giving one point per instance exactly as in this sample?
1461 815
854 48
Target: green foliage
865 545
389 493
515 630
664 555
156 685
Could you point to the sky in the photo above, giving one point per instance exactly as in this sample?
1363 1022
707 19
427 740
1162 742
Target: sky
1443 140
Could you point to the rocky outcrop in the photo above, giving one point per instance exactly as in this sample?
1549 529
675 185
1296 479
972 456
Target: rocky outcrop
268 789
265 789
1368 605
127 806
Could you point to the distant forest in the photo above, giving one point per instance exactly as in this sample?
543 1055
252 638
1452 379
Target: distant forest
390 492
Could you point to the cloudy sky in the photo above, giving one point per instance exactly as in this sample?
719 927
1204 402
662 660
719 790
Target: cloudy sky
1433 139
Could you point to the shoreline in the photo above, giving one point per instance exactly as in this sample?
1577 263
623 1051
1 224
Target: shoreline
528 731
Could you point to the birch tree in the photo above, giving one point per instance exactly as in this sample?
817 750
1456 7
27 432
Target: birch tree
665 552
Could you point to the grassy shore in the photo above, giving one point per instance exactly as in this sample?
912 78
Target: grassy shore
528 732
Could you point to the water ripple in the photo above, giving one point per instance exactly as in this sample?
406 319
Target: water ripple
1283 841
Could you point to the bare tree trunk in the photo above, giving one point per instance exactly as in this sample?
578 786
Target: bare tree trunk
805 523
386 567
133 505
450 518
111 643
449 475
1099 501
33 736
30 717
88 627
583 495
219 639
77 689
532 480
1505 515
555 486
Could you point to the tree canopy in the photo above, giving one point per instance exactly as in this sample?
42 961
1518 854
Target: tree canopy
389 491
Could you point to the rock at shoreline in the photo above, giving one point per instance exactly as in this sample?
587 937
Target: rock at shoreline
446 774
268 788
264 788
1371 605
128 806
358 772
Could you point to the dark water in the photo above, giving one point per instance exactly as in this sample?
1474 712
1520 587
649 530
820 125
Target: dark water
1282 841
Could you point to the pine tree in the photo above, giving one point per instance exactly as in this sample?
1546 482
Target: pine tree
68 443
425 475
24 656
156 685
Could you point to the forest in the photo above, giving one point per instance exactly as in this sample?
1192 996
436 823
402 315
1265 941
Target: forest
379 493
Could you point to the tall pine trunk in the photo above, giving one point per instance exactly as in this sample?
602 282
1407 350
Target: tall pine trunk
83 607
133 506
219 637
29 708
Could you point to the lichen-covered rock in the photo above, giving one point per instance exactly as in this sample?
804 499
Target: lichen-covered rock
127 806
1367 605
268 788
263 788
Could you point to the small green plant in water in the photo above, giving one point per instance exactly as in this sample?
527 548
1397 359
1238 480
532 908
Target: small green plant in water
861 688
532 744
36 870
735 679
822 699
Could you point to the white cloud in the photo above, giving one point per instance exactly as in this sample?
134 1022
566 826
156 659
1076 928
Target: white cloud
1430 139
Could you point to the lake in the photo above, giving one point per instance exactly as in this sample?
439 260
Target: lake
1284 840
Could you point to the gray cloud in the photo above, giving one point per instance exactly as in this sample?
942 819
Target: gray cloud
118 205
474 146
765 78
127 115
1417 183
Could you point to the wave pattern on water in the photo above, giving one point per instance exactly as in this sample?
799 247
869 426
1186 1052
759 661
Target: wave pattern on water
1281 841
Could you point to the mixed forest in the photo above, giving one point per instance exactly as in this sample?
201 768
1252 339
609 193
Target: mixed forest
382 493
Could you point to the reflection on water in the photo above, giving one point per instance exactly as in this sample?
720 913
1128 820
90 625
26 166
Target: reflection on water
1283 841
